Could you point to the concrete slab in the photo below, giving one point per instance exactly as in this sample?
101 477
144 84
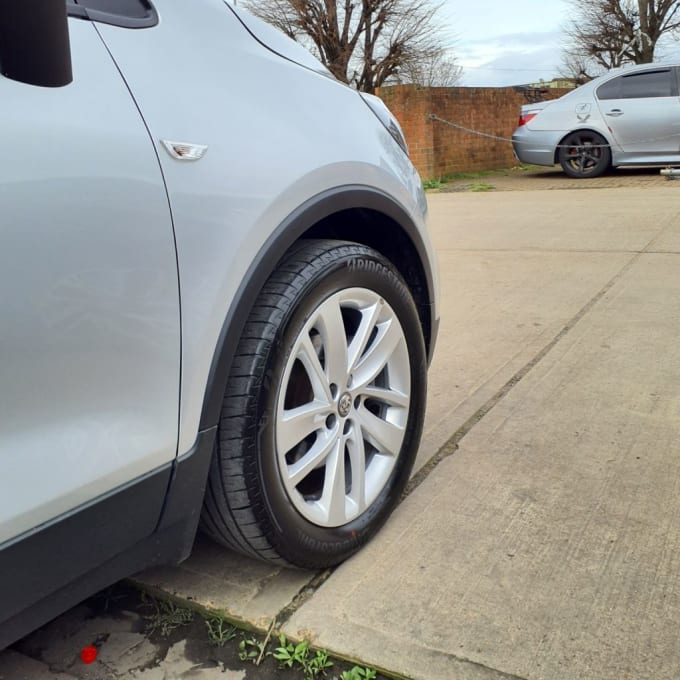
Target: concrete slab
514 269
499 310
245 590
549 545
581 220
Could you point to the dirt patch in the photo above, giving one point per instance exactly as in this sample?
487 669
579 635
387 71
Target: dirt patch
135 637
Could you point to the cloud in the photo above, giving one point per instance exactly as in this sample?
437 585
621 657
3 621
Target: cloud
524 40
510 59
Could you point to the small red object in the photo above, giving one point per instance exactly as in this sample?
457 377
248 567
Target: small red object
88 654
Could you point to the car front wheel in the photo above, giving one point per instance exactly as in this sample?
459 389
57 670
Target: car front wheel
323 410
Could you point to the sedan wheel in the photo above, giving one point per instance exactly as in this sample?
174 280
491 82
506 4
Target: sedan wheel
584 154
323 412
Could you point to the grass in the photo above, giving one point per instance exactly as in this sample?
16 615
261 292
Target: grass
435 184
430 184
479 187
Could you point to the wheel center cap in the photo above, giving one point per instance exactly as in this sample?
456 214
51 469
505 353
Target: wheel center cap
344 405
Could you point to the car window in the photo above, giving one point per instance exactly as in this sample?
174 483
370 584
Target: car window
611 89
638 86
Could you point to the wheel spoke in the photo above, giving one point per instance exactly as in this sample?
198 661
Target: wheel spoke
357 457
385 436
378 354
333 495
317 377
386 396
313 459
369 317
335 342
296 424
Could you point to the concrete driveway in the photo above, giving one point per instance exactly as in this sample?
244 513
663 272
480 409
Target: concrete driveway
541 535
548 544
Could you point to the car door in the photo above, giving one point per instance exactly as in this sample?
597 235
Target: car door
642 110
89 305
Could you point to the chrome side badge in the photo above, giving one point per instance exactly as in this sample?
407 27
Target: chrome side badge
183 151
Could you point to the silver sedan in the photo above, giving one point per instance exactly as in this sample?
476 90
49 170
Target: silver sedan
626 117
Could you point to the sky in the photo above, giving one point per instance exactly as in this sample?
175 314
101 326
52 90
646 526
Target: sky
505 42
511 42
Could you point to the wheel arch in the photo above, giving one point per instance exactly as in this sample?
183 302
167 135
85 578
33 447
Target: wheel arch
361 214
592 129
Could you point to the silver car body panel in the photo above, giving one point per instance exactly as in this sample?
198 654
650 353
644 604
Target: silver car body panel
90 340
642 131
259 167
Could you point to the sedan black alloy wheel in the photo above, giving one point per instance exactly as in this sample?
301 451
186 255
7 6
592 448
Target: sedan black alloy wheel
584 154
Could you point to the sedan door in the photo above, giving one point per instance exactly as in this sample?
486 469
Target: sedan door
642 111
89 305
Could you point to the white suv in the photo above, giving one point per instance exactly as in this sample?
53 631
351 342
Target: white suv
218 301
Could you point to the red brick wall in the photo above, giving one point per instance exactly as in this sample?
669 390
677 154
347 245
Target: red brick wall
438 149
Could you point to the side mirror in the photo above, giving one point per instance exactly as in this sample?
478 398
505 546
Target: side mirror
34 42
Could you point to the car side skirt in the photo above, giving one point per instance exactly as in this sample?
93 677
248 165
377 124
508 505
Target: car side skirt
149 522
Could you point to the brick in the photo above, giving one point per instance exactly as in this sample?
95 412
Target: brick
437 149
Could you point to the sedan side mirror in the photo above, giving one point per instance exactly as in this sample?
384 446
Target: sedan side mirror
34 42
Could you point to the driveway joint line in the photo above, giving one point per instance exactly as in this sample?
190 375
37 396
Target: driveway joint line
302 596
450 447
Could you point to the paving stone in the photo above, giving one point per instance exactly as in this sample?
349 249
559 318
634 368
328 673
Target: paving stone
123 652
246 590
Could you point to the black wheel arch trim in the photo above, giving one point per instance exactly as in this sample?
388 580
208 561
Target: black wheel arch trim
294 227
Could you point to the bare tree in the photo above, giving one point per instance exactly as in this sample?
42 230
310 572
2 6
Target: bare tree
437 69
362 42
605 34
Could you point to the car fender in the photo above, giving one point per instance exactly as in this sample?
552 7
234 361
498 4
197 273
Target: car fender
297 225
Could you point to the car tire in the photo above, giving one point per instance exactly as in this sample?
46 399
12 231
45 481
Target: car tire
323 410
584 154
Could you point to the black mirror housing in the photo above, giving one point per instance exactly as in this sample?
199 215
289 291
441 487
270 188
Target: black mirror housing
34 42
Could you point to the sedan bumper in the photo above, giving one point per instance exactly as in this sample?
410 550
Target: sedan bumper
535 146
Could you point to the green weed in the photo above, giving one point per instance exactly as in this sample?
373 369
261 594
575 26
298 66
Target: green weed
219 631
313 664
165 617
359 673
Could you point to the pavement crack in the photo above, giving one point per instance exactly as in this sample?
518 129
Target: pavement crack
303 595
494 672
